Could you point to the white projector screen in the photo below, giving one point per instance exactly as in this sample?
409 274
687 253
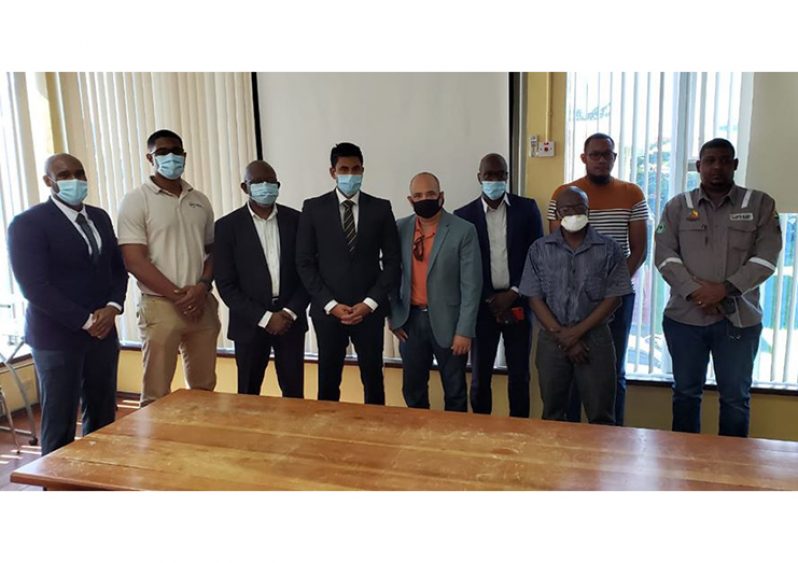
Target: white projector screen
404 122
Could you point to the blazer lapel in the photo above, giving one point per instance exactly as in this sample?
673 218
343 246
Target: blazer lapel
334 214
285 266
69 227
407 234
440 236
251 240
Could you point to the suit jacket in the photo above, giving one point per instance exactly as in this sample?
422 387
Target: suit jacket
524 226
454 279
242 274
327 268
51 262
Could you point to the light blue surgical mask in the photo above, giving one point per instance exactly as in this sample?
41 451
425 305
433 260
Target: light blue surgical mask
72 192
494 190
264 193
170 165
349 184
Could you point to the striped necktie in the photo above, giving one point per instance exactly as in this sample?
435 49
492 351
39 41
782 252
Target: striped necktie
94 253
349 225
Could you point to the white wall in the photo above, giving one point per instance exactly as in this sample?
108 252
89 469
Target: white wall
404 123
774 137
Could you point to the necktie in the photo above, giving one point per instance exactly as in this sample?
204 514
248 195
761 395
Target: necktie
94 254
349 225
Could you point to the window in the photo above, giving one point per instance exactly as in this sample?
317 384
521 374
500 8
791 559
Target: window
659 122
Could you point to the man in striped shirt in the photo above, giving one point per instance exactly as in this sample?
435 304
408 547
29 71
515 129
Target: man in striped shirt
618 210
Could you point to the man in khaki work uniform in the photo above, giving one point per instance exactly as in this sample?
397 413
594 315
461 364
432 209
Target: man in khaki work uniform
714 246
166 232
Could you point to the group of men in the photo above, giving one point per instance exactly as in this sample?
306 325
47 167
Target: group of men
449 284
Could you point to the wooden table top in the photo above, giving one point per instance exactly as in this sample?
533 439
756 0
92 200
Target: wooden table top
199 440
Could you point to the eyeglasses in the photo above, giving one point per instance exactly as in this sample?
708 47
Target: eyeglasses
164 152
418 248
606 155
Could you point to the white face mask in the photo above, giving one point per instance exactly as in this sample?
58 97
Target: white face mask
574 223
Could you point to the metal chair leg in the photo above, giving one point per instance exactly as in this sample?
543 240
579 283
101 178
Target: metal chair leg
8 362
4 407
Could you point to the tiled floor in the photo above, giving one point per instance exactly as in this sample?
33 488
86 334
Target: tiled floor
10 460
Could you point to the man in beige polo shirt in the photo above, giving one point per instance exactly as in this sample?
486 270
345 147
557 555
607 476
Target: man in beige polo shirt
166 237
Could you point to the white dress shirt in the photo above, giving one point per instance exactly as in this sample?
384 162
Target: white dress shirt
269 236
72 215
496 220
356 214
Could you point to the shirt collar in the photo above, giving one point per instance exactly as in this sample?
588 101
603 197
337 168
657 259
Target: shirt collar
257 217
485 206
342 198
157 189
70 213
733 195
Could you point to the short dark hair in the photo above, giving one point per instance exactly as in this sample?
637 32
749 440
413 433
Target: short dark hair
162 134
345 149
716 143
599 137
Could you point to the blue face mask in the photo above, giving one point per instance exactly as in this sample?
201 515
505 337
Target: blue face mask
170 165
264 193
72 192
349 184
494 190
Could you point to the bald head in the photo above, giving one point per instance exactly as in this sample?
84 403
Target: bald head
62 166
425 182
492 164
259 171
572 201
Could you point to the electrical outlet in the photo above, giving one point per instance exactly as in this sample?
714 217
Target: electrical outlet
533 145
546 148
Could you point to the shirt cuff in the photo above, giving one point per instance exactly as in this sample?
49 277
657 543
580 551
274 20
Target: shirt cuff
330 306
516 290
89 322
115 305
371 304
264 320
290 312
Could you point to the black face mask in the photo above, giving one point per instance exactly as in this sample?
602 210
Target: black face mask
427 208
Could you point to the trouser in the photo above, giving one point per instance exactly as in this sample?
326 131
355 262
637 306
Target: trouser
66 377
517 345
595 379
165 332
733 352
417 353
252 359
620 326
333 338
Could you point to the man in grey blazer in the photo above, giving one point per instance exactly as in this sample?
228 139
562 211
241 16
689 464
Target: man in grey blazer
434 312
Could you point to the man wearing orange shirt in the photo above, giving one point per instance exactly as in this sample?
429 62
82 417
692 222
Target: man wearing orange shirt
434 313
618 210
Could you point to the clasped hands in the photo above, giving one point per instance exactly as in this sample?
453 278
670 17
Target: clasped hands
708 296
190 301
102 322
570 340
350 315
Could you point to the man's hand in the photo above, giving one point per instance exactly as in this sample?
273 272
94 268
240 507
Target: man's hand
461 345
357 313
103 322
568 336
501 302
341 311
279 323
578 353
190 300
400 334
708 294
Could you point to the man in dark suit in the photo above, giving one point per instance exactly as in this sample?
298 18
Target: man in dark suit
348 259
66 260
506 226
255 272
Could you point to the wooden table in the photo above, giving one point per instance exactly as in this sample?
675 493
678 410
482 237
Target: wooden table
198 440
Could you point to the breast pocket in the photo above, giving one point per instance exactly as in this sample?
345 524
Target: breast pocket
596 287
692 235
742 234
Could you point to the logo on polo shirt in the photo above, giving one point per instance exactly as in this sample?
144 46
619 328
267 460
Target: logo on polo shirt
192 204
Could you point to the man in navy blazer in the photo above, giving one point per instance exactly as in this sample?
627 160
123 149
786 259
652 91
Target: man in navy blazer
506 226
65 258
255 272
